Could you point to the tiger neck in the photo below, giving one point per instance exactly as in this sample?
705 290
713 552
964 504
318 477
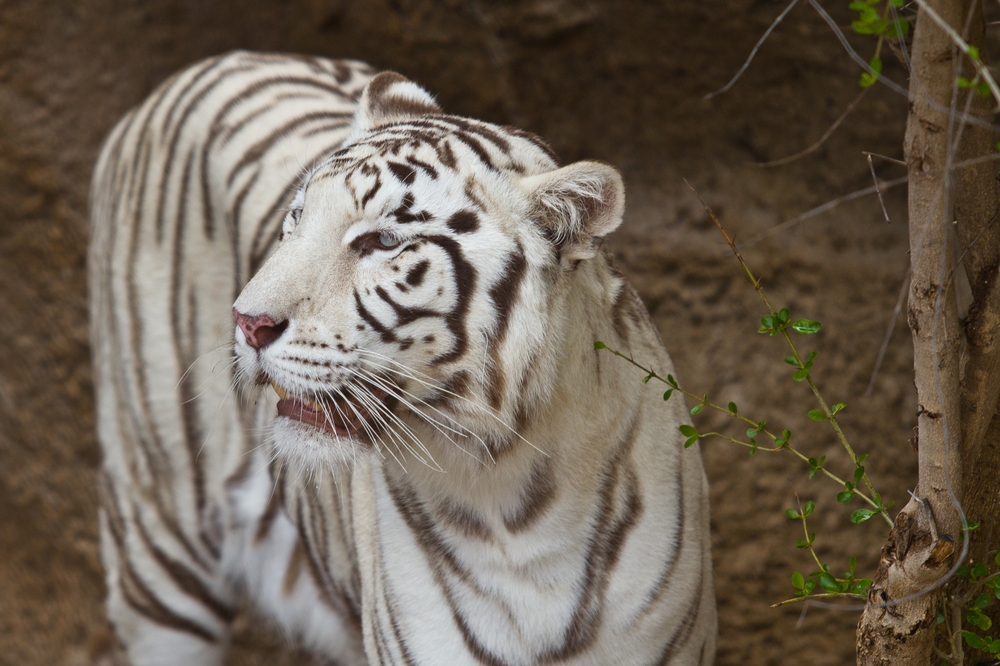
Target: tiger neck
588 403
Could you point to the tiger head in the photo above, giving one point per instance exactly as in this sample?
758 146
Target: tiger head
415 304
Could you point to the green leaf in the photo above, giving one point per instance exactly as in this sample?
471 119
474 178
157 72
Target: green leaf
983 600
963 83
863 457
962 572
861 515
670 380
983 89
688 431
667 394
732 408
817 415
798 580
807 326
810 586
845 497
600 345
805 543
793 514
899 28
976 618
645 380
791 360
973 640
979 570
695 409
808 508
753 446
973 52
752 432
800 375
828 583
859 473
994 646
689 442
839 407
815 465
852 562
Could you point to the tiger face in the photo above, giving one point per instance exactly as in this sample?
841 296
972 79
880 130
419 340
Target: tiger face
414 304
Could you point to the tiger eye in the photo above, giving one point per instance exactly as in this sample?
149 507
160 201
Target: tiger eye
387 241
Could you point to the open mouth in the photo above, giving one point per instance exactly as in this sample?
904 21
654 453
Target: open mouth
345 416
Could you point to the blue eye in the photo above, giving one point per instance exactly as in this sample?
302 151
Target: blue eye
387 241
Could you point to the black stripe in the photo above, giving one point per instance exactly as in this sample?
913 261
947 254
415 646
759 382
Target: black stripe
138 595
691 615
385 332
479 129
438 555
536 496
504 294
535 140
172 136
207 66
463 222
185 579
134 591
193 433
465 283
606 544
415 276
235 219
259 149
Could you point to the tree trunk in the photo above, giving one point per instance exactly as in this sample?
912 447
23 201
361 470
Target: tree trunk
950 215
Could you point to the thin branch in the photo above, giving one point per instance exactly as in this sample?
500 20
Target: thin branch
826 135
892 85
857 194
883 157
829 413
871 167
753 52
812 599
888 334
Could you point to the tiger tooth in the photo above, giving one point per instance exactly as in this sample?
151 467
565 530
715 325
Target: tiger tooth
277 389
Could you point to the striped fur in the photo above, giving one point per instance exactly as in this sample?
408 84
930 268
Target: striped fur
455 476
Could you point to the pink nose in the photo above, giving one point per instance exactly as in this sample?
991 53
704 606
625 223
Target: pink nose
260 330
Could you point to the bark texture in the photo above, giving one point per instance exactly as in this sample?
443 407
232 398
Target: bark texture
956 362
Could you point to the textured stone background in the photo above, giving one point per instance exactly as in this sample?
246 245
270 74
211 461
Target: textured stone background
618 81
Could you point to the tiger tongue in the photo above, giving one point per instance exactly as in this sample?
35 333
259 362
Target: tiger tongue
340 419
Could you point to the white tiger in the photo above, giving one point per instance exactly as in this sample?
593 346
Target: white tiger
454 475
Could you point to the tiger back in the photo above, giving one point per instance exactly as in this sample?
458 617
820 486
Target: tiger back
412 453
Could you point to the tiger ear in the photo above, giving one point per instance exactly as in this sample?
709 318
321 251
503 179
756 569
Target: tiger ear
391 98
577 206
